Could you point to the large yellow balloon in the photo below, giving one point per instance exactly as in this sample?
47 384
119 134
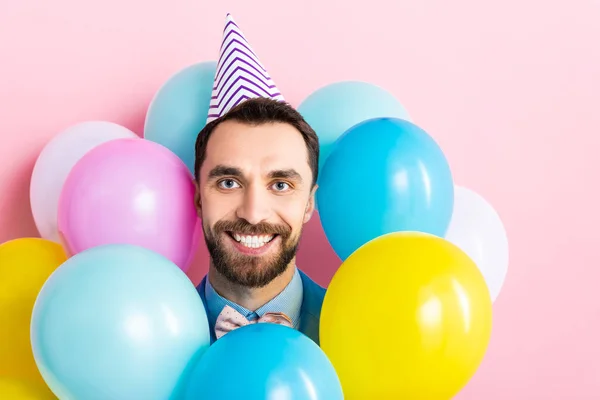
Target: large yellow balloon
407 316
17 389
25 264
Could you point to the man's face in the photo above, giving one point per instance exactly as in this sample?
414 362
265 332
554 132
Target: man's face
254 195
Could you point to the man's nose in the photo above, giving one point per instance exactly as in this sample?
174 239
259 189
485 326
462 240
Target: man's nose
255 206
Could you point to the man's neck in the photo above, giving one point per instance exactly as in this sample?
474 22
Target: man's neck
250 298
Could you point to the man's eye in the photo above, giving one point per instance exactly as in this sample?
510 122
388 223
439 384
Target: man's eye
281 186
228 184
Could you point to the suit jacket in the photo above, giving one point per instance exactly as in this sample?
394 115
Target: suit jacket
310 312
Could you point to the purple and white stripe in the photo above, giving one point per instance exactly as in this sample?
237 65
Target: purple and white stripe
240 74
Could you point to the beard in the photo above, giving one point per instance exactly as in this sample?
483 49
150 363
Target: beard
246 270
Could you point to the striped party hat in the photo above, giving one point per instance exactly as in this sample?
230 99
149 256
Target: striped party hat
240 74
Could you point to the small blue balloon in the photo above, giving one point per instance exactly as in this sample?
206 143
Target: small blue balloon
117 322
335 108
179 110
385 175
264 361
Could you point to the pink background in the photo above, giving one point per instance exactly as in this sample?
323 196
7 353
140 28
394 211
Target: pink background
510 89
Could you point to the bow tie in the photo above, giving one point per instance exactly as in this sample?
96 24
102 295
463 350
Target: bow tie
230 319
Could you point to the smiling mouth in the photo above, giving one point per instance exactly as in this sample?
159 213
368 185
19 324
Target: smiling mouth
251 241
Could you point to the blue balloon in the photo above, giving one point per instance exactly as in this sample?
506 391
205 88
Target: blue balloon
264 361
385 175
179 110
117 322
335 108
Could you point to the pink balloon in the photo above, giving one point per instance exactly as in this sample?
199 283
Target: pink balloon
130 191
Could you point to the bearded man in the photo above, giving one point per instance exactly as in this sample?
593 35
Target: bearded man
256 171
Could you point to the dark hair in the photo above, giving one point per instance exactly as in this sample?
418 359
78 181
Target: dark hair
257 111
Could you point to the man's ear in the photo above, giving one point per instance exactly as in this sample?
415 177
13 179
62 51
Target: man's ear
197 199
310 206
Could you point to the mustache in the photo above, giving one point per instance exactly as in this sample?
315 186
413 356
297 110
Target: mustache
244 227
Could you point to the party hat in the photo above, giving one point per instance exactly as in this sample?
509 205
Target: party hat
240 74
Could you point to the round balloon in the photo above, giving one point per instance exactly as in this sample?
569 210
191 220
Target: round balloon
426 325
335 108
131 192
179 110
56 161
264 361
385 175
117 322
477 229
25 264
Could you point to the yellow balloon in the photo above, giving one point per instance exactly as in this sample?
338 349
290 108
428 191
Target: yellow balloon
25 264
16 389
407 316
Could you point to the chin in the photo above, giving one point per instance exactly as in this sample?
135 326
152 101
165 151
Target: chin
251 270
256 274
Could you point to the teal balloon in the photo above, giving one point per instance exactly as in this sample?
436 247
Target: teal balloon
117 322
384 175
335 108
178 111
264 361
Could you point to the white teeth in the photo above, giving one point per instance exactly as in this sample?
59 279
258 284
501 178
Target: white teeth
252 241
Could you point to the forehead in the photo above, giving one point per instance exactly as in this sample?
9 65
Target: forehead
257 148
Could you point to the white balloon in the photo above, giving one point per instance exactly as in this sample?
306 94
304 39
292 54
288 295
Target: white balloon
476 228
55 163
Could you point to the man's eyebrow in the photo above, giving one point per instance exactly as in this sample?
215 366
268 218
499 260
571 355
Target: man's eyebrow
224 170
285 174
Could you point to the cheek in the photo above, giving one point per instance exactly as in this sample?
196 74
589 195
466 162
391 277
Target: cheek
292 213
216 207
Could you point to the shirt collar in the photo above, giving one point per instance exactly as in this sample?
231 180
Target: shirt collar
289 302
